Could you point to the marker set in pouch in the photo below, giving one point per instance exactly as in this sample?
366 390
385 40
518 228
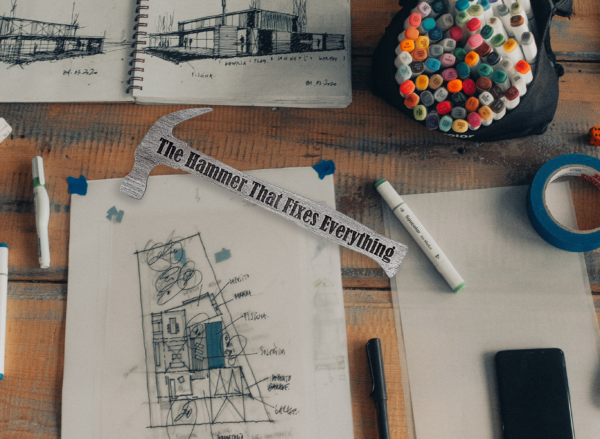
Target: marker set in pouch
479 70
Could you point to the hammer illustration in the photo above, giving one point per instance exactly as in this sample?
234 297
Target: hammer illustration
160 147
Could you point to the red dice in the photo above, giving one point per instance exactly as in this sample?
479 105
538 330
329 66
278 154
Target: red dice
594 136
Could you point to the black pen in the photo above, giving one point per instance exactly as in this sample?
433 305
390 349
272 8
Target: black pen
378 393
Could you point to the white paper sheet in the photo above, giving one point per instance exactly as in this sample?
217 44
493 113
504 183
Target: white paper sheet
227 322
269 52
52 65
520 293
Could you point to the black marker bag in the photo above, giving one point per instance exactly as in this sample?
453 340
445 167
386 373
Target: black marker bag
537 107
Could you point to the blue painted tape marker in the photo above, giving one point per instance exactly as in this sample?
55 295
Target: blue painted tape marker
577 165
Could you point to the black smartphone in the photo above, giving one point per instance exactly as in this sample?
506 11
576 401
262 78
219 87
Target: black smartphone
534 394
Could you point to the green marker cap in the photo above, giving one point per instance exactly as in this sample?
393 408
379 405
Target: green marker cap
380 182
460 287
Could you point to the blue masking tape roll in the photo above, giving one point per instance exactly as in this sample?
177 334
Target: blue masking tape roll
578 165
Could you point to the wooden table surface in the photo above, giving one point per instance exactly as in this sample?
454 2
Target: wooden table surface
367 140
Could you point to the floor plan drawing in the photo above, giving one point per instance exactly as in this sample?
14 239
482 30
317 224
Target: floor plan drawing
198 372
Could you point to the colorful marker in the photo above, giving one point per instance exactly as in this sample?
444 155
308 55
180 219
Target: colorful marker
519 82
419 55
529 47
411 101
503 12
42 211
420 235
449 74
512 98
435 35
487 32
493 60
500 78
513 51
485 70
519 27
435 51
474 120
432 65
422 82
446 124
422 42
460 126
440 95
445 22
458 113
473 42
407 46
3 302
524 69
432 121
473 61
486 114
417 68
473 26
426 25
486 98
458 99
403 59
408 34
472 104
406 88
498 108
484 50
463 70
413 20
435 81
469 87
420 112
443 107
427 98
447 60
403 74
449 45
460 54
497 25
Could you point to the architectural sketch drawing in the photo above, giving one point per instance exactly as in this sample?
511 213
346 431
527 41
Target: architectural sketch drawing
198 373
24 41
250 32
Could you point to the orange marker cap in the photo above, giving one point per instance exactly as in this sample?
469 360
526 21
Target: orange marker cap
510 45
407 46
454 86
412 100
422 82
486 113
419 55
423 42
471 58
523 67
411 33
407 87
472 104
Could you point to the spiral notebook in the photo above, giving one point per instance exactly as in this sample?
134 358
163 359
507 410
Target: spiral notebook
230 52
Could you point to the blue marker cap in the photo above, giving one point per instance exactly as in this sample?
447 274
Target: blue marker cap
3 245
428 24
485 4
435 34
432 64
446 123
499 77
432 121
462 5
438 6
427 98
463 71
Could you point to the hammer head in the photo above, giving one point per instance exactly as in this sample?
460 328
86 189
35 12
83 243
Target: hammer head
134 185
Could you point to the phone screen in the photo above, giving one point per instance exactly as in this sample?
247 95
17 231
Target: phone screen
534 394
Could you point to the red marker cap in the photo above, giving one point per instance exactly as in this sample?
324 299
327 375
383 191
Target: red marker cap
474 120
444 107
414 20
473 24
407 87
512 93
484 49
469 87
456 33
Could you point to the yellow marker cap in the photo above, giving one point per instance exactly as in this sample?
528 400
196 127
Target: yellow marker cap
423 42
422 82
471 58
460 126
510 45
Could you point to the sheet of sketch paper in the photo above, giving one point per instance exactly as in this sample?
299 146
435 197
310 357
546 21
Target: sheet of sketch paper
521 293
200 315
65 50
248 52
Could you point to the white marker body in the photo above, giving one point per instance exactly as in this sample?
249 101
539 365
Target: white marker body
508 67
3 300
516 55
519 82
506 22
487 122
495 6
420 235
498 27
510 105
527 7
519 31
530 51
487 14
41 203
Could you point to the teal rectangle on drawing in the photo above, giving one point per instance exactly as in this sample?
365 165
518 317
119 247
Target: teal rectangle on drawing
214 335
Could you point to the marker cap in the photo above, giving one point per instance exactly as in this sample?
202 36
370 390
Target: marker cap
474 24
38 171
449 45
458 113
407 46
438 6
435 81
444 107
412 100
474 120
523 67
417 67
472 104
445 22
497 106
496 92
449 74
432 121
447 60
419 55
486 113
516 21
511 45
485 4
423 9
440 95
411 33
463 70
423 42
498 40
483 84
493 59
456 33
462 18
407 87
403 74
432 65
512 93
387 192
446 123
472 58
516 8
485 70
427 24
420 112
460 54
422 82
483 50
435 51
458 99
414 20
462 5
487 32
460 126
435 35
3 258
475 41
427 98
486 98
475 10
502 11
469 87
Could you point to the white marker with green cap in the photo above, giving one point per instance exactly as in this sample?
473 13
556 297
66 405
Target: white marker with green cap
420 235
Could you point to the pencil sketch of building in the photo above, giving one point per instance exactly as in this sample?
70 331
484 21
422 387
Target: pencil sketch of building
197 368
250 32
25 41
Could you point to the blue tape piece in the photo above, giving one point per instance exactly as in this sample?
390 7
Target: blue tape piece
541 220
324 168
77 185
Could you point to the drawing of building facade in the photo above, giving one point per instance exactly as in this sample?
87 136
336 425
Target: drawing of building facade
252 32
197 371
25 41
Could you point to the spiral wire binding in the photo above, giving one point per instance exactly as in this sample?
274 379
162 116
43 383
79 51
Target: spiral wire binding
137 51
